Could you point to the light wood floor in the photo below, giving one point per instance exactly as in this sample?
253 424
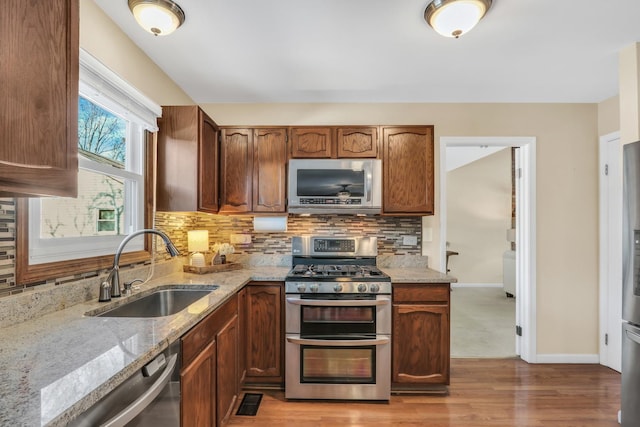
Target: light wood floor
483 392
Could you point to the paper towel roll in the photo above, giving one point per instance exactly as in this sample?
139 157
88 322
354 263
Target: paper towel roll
269 223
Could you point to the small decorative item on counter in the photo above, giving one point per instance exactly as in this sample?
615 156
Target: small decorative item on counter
221 251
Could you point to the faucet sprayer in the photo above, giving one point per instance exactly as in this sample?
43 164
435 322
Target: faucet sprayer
113 279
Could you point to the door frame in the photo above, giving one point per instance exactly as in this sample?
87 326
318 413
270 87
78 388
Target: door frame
525 228
610 246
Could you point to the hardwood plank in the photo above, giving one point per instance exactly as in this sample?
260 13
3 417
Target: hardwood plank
483 392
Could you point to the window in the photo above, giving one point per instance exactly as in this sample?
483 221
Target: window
113 120
107 221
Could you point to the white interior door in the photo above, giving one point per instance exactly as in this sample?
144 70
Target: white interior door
610 182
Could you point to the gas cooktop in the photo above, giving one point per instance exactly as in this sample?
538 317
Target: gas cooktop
333 271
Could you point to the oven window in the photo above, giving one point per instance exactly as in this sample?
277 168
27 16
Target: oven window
337 321
337 365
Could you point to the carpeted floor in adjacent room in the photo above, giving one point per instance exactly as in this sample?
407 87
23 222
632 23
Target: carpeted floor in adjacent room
482 323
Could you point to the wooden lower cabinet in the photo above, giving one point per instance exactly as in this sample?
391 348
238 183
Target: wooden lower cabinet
227 370
264 334
198 388
209 374
421 337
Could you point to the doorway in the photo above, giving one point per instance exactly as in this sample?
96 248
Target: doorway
525 341
480 215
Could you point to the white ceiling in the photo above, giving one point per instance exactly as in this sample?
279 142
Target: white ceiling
384 51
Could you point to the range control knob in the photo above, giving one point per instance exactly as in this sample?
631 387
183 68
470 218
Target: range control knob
362 287
314 287
337 288
302 288
374 287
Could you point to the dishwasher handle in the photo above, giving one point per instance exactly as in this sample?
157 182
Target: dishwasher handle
132 411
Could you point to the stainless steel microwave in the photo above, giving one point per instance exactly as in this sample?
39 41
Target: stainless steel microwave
342 186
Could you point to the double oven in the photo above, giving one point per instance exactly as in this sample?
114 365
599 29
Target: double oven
338 321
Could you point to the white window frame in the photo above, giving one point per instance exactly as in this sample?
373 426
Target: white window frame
105 221
104 88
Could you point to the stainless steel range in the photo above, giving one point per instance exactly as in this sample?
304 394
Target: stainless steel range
338 321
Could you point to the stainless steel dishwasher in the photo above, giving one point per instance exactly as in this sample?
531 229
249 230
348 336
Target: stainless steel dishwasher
150 397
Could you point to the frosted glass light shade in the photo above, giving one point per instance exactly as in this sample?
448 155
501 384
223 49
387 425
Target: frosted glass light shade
159 17
453 18
198 240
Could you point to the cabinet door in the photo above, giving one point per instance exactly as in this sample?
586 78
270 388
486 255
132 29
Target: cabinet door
264 333
227 370
408 170
269 165
242 342
357 142
187 156
198 389
207 164
236 170
420 344
39 50
311 142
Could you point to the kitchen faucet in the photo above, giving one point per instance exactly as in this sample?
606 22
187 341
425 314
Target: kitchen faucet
111 286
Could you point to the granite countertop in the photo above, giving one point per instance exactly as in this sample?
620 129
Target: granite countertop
417 275
58 365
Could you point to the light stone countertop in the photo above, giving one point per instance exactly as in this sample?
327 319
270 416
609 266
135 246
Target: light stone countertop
417 275
56 366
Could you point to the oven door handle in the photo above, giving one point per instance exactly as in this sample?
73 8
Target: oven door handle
339 343
338 303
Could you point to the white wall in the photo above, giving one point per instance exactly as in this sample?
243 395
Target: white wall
478 215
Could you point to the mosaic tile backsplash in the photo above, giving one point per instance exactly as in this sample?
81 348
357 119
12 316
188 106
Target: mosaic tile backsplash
265 246
389 231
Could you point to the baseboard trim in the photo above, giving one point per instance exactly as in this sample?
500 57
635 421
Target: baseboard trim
477 285
568 358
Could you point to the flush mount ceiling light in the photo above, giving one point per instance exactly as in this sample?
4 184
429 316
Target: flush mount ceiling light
453 18
159 17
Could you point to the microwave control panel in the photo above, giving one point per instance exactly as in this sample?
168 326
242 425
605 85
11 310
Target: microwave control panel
328 201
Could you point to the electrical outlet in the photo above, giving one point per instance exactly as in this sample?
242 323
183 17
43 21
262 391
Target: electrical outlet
240 239
410 240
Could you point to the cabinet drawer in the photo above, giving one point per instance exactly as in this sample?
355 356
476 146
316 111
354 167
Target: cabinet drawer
205 331
421 293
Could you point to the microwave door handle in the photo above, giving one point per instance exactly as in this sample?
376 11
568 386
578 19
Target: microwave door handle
368 185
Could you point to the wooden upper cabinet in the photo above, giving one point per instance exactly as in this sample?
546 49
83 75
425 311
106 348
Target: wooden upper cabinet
187 160
311 142
269 170
208 153
236 170
361 142
39 53
408 174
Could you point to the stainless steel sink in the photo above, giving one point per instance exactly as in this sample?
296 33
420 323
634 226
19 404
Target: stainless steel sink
159 303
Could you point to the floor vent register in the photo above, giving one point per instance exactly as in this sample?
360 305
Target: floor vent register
250 404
